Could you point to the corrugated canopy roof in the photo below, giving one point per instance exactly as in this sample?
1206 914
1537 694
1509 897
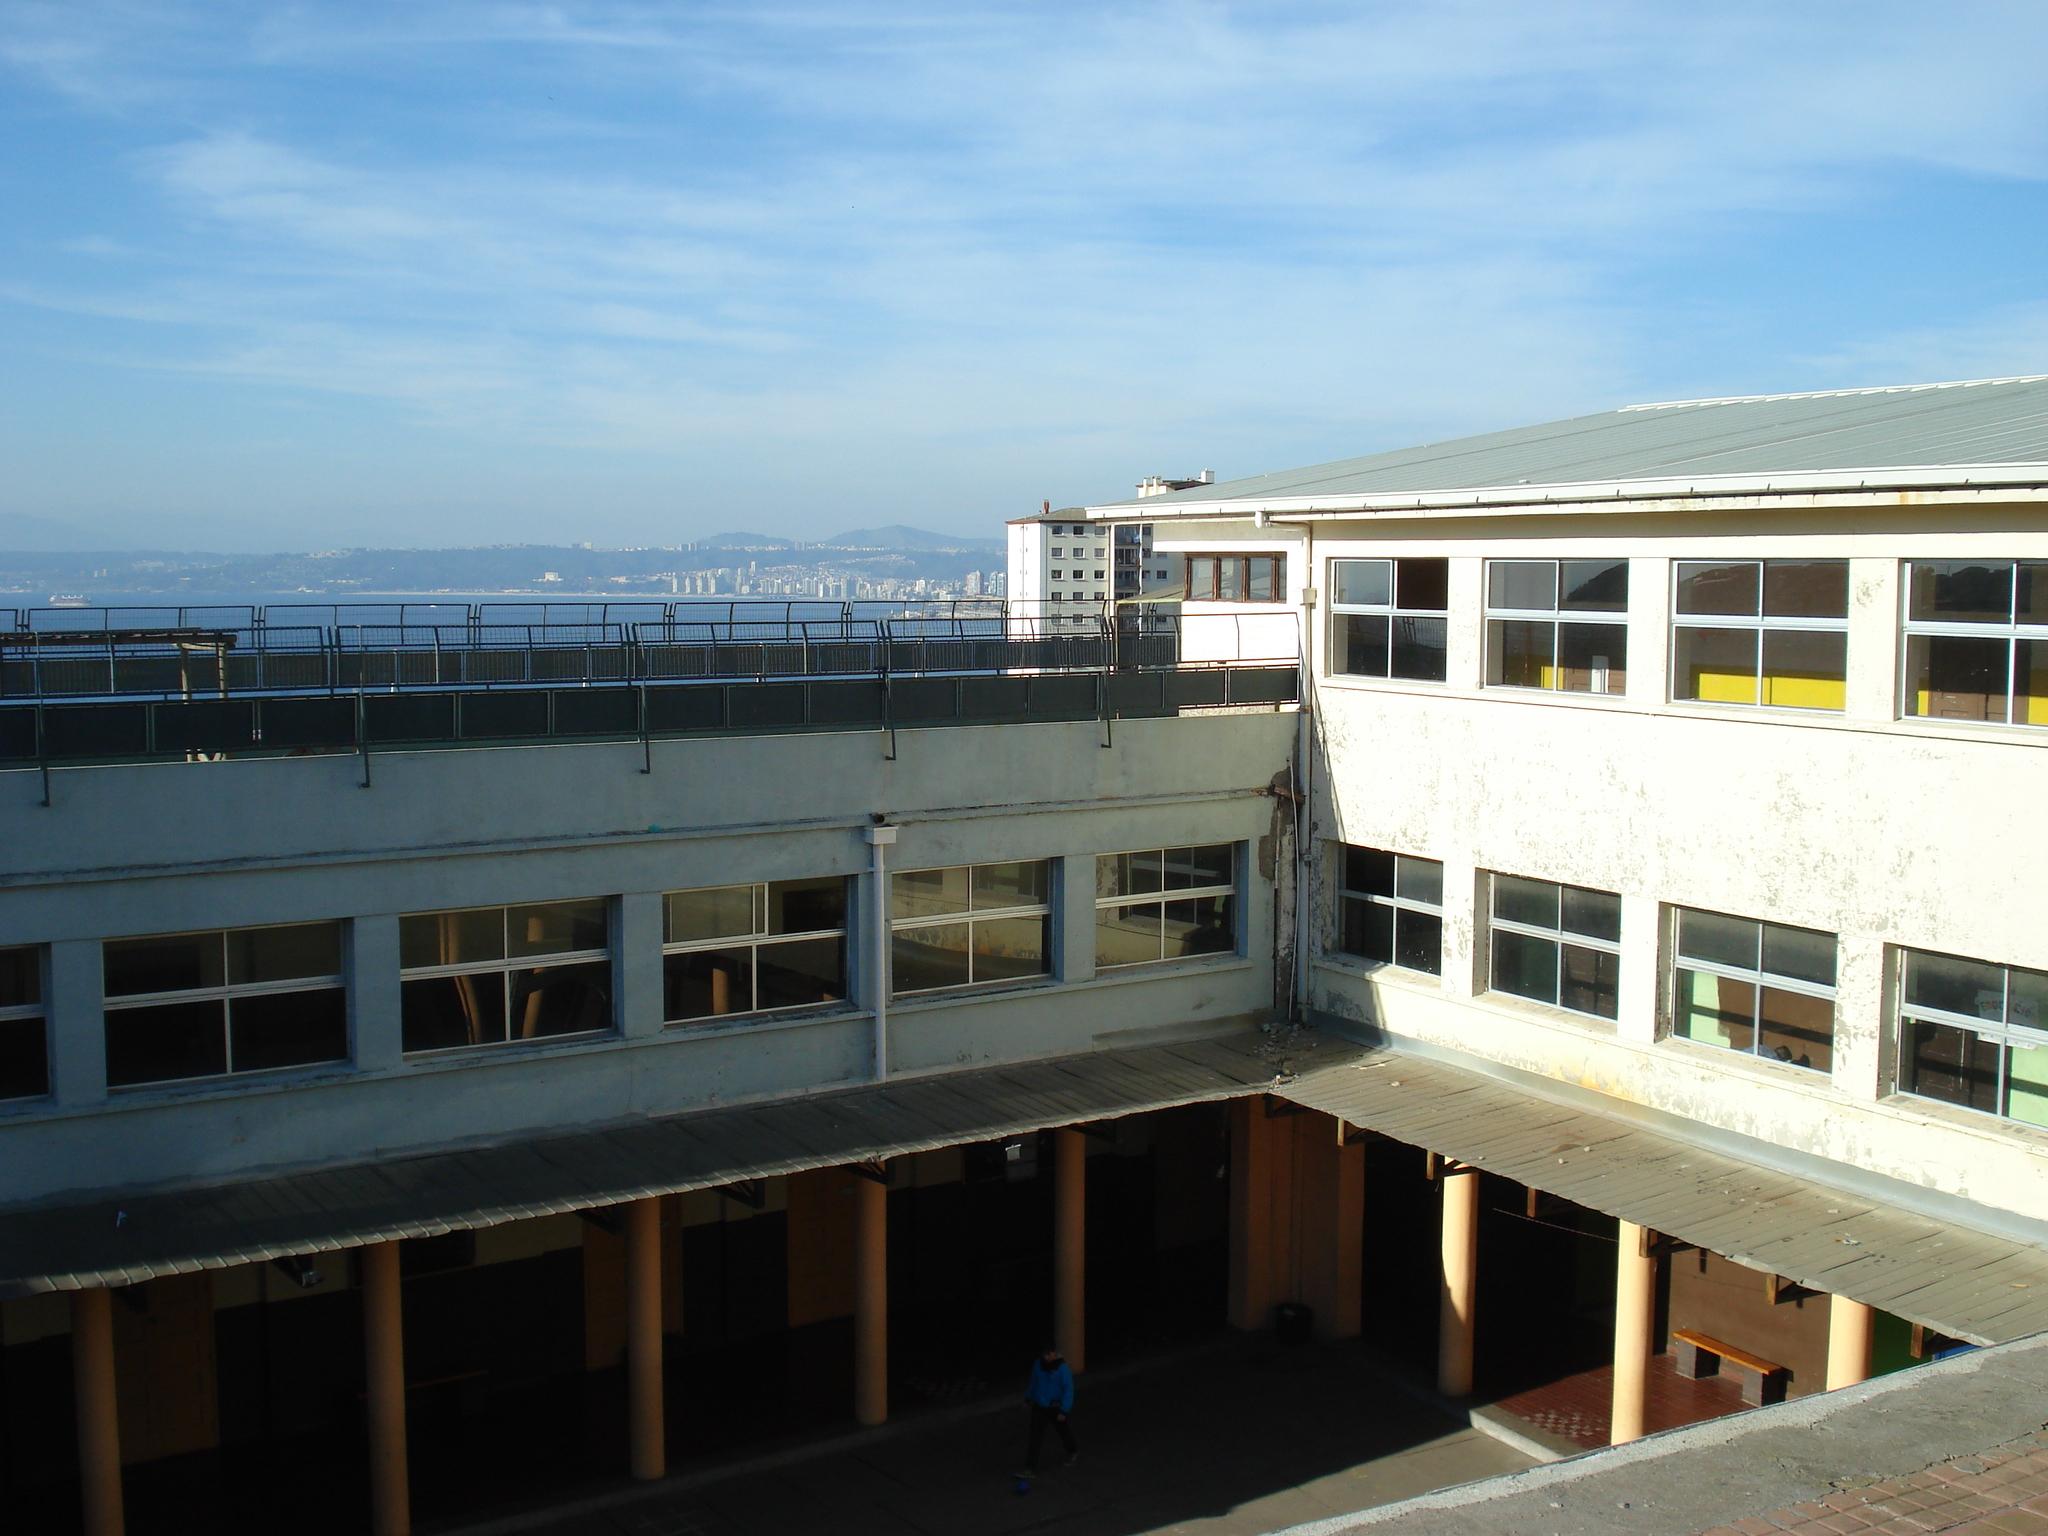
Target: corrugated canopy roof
1845 435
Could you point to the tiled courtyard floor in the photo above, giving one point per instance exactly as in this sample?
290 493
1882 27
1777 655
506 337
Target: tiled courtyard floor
1577 1408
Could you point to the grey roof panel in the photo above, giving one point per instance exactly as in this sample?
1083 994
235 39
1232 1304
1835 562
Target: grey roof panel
2002 422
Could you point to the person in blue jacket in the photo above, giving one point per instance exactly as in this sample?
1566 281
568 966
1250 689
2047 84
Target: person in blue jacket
1049 1390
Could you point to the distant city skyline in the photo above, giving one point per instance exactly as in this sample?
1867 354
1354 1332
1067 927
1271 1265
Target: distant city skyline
279 277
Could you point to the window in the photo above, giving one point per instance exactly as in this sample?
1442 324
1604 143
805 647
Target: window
1977 640
970 925
1058 553
1098 576
182 1005
1759 988
24 1038
1975 1034
1388 618
1545 626
1557 944
1390 908
1235 578
492 975
1768 632
753 948
1165 904
1057 575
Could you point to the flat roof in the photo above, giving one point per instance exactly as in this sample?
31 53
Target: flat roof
1974 432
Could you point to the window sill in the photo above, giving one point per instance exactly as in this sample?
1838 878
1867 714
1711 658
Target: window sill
493 1050
1764 1068
939 997
227 1085
1378 971
1956 1117
1536 1011
1159 970
761 1022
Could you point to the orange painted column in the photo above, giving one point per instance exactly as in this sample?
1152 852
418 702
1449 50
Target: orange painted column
384 1390
870 1301
1459 1286
1635 1320
1849 1330
1069 1245
643 1339
99 1425
1252 1238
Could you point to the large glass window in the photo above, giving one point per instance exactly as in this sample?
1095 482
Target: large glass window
497 975
1558 944
1165 904
1766 632
1389 618
1390 908
753 948
1976 1034
1557 624
1977 640
1234 578
1760 988
181 1005
24 1033
970 925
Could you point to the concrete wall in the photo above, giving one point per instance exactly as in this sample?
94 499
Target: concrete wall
169 847
1890 833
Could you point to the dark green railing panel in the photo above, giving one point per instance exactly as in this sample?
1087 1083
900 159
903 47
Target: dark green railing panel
389 717
670 710
289 723
486 716
206 725
846 703
764 706
1195 688
995 698
96 730
1264 685
1137 694
923 700
17 735
597 712
1059 697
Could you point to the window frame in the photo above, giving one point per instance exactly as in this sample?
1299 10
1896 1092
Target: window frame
1163 897
1215 560
1392 611
1761 625
1756 977
2011 631
1394 901
970 915
37 1012
753 942
2002 1032
505 968
1556 617
225 994
1559 937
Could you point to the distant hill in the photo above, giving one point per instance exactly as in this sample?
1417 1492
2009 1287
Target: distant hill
20 531
744 540
898 536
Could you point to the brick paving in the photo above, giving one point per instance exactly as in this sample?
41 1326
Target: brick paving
1578 1408
1999 1492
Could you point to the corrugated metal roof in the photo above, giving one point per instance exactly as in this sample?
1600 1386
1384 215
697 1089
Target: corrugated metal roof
1850 435
1957 1280
134 1238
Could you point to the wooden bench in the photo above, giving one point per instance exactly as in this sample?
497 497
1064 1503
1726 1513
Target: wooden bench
1701 1354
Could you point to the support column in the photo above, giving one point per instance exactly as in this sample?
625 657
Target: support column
99 1427
1460 1283
870 1301
384 1384
1252 1237
643 1338
1635 1318
1849 1328
1069 1245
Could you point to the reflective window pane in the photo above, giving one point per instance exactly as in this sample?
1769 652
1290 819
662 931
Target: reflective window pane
802 973
1714 1010
716 912
1714 666
1592 658
284 954
1726 588
289 1029
1130 874
557 927
2030 605
2026 1003
561 1000
1525 584
1955 1066
1419 942
21 978
1591 982
1006 948
1798 1029
1211 864
1593 586
1198 926
172 962
1801 953
2026 1084
934 956
1521 653
1366 929
451 938
1957 677
1022 884
1422 584
165 1042
1961 591
1360 645
1201 577
928 892
1366 582
1724 940
1524 966
807 906
1806 589
24 1058
707 984
1368 869
1421 880
1263 585
1127 935
1805 669
1419 654
446 1011
1525 901
2030 682
1955 985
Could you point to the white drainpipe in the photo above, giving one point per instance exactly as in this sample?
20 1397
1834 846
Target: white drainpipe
879 839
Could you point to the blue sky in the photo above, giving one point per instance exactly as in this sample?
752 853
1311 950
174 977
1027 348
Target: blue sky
309 276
